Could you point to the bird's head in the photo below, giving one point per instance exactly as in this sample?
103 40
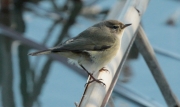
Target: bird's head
115 26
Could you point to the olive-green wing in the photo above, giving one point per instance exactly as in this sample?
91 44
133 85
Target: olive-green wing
92 39
80 45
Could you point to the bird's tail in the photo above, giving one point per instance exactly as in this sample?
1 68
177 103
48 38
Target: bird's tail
47 51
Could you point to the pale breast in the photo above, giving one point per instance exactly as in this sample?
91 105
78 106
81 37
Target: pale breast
99 59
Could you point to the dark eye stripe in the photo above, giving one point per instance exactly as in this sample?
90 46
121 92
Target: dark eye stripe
115 27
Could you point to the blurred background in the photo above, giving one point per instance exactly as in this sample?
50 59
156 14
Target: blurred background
44 81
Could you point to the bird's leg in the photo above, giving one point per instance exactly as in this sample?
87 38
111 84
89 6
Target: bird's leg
85 70
103 69
93 78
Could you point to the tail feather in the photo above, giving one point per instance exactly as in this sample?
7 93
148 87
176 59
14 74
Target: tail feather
40 52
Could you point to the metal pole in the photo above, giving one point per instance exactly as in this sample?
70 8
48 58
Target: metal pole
147 52
132 12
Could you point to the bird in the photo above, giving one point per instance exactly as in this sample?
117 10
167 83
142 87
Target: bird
93 48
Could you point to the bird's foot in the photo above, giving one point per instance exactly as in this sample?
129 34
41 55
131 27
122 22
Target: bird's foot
92 77
103 69
95 80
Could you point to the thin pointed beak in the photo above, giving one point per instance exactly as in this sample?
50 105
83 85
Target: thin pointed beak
126 25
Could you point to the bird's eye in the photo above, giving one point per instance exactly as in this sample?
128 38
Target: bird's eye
115 27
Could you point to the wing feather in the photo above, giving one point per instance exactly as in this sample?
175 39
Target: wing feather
91 39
